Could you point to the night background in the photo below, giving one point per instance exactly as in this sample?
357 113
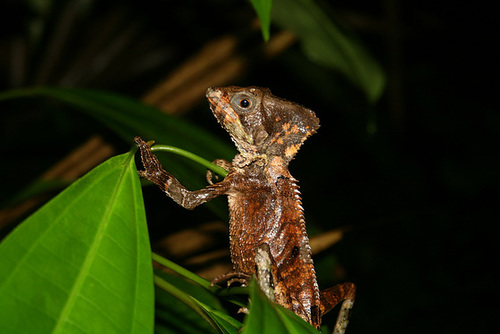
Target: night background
411 177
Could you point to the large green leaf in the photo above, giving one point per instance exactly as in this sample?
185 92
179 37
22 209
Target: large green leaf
325 43
82 263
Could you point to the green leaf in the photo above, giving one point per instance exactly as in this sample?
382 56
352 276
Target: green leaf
225 323
173 316
197 301
326 44
293 323
129 118
229 294
190 296
82 263
263 9
267 317
177 312
194 290
181 271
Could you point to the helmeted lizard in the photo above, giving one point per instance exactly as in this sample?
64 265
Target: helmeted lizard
266 215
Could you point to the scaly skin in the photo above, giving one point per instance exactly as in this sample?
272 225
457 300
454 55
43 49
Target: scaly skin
264 199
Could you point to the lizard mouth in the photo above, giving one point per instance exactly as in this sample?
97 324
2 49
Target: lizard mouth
219 103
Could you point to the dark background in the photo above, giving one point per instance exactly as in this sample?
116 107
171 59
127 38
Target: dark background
418 195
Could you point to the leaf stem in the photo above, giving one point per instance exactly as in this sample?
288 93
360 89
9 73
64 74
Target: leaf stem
204 162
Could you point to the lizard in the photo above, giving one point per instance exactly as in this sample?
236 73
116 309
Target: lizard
266 214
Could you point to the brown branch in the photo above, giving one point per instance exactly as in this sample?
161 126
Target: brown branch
218 63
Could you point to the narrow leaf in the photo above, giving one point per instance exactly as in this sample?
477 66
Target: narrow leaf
181 271
229 294
199 301
193 289
174 316
186 299
293 323
268 317
326 44
129 118
263 10
262 317
225 323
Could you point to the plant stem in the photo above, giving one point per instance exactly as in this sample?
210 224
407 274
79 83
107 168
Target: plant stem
204 162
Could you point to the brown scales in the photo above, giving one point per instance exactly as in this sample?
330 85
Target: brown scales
264 199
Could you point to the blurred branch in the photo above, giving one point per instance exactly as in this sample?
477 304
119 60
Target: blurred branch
218 63
198 249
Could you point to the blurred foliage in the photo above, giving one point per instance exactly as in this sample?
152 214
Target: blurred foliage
413 176
263 10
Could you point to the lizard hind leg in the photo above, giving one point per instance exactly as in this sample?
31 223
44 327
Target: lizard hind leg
330 297
231 278
266 271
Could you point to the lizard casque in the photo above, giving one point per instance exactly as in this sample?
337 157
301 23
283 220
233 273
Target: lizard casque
266 216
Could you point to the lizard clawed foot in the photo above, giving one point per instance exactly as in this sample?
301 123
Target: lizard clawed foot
153 170
344 293
231 278
244 310
210 177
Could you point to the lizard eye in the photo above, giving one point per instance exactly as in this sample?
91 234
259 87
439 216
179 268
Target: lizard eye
243 102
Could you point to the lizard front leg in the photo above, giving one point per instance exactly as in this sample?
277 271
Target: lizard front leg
270 282
154 172
330 297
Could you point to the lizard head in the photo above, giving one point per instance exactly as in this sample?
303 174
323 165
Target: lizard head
261 123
